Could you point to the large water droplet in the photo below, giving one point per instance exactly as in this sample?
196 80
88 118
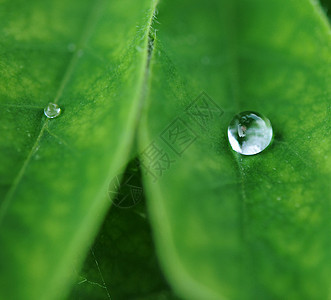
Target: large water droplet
52 110
249 133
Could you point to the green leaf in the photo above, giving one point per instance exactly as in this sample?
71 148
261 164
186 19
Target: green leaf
326 4
241 227
122 263
90 57
123 251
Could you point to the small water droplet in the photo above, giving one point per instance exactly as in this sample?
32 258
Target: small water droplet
52 110
249 133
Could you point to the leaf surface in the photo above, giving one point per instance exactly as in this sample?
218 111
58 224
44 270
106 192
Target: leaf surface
89 57
228 226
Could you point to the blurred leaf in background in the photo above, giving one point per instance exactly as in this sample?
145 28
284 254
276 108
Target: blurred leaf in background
122 263
326 4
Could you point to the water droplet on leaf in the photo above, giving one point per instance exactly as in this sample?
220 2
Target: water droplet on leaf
52 110
249 133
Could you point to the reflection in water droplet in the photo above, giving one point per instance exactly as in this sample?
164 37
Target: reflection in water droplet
52 110
249 133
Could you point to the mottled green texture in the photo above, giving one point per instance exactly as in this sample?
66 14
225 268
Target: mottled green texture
225 226
233 227
89 57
